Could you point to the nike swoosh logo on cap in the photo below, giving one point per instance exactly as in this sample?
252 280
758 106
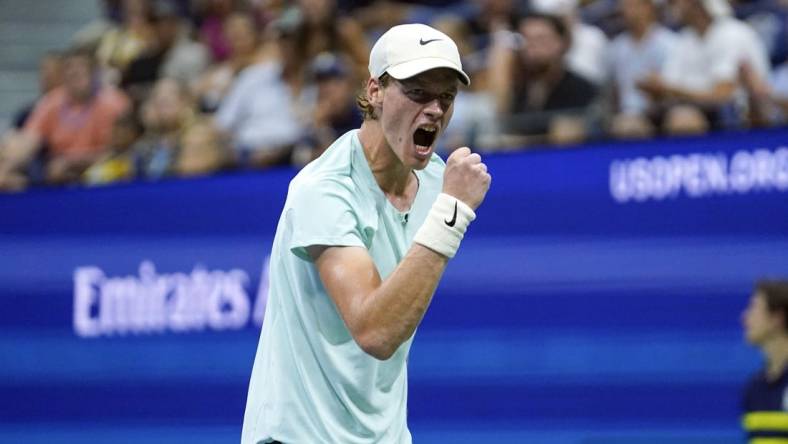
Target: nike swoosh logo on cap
423 42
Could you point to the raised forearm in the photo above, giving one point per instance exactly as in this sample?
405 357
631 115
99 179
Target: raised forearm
381 314
390 315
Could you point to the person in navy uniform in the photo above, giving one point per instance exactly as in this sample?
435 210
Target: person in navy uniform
765 403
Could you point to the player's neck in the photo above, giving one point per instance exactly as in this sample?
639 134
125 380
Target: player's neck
394 178
776 351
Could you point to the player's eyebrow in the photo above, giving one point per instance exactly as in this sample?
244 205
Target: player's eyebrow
428 85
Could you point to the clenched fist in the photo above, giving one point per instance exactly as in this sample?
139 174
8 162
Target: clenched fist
466 177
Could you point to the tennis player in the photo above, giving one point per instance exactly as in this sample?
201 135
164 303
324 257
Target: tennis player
363 239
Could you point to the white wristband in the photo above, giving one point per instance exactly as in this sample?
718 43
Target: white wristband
445 225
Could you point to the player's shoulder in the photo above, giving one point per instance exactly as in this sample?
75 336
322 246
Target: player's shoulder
330 171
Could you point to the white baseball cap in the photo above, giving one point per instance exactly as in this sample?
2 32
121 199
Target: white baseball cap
407 50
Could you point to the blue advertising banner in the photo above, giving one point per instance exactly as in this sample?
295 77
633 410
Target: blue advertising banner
596 299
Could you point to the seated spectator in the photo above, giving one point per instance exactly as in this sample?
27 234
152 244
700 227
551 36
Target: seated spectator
242 38
89 36
201 151
166 115
173 55
473 122
768 100
266 12
636 53
701 77
50 76
588 46
335 111
323 29
213 27
769 19
376 16
484 17
119 162
260 114
123 42
71 126
531 82
779 90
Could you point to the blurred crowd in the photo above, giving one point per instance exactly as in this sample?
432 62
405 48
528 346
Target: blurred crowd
169 88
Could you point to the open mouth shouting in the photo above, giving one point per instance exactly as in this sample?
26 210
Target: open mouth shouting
424 137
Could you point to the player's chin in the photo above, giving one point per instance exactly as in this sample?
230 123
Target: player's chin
422 156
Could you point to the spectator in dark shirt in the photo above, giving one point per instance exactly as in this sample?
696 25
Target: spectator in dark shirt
123 41
765 404
173 55
531 82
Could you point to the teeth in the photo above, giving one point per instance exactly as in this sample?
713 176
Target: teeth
430 129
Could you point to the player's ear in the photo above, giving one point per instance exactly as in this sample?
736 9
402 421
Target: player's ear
375 92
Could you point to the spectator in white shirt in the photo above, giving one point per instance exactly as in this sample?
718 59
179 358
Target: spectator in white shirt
260 114
636 53
699 85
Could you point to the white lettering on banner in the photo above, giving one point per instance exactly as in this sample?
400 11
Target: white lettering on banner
698 175
155 303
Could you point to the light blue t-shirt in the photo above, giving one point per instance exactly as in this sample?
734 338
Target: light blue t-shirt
311 382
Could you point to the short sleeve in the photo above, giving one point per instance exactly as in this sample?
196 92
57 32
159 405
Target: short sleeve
734 44
322 213
726 55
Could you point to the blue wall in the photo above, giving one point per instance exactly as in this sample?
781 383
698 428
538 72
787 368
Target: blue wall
595 300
